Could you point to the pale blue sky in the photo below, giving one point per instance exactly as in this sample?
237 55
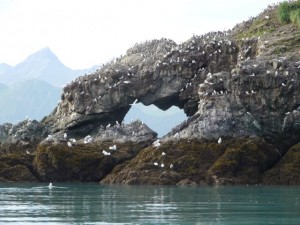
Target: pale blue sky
83 33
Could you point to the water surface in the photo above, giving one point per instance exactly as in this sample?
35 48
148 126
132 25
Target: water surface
101 204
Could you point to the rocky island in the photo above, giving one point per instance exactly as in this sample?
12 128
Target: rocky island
239 88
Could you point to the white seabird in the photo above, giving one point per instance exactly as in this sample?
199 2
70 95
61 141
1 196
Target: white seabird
114 147
156 143
50 186
69 144
220 141
135 101
65 135
73 140
105 152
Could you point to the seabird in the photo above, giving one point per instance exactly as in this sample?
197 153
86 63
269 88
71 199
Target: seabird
105 152
69 144
156 143
220 141
155 164
163 153
65 135
171 166
135 101
73 140
162 165
114 147
50 186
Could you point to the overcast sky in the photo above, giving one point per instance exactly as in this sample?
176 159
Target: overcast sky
83 33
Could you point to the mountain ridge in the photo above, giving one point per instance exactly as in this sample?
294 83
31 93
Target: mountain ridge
43 65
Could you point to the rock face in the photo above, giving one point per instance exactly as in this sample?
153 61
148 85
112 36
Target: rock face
238 161
21 137
82 162
239 88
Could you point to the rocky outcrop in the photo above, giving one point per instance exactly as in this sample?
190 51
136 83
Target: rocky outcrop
21 137
17 168
240 90
287 170
229 86
81 162
194 162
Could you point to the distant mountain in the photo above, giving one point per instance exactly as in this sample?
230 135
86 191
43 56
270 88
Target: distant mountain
43 65
31 98
3 87
5 68
158 120
32 88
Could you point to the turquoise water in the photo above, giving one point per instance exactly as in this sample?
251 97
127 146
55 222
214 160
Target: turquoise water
99 204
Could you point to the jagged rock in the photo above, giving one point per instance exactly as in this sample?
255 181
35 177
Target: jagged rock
21 137
229 87
136 132
259 101
156 72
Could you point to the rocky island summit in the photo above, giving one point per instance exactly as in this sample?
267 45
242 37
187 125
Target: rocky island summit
239 88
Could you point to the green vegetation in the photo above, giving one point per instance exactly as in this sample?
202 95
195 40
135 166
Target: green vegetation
289 12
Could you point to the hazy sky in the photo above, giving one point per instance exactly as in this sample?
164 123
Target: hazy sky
83 33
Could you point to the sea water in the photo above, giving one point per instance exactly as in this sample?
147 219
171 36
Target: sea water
105 204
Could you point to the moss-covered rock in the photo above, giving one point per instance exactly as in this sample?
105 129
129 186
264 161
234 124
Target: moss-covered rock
185 159
190 162
243 162
80 162
287 170
17 168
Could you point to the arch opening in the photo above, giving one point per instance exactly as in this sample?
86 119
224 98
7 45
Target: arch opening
160 121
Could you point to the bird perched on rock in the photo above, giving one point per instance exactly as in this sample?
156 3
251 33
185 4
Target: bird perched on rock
156 143
135 101
105 152
114 147
219 140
